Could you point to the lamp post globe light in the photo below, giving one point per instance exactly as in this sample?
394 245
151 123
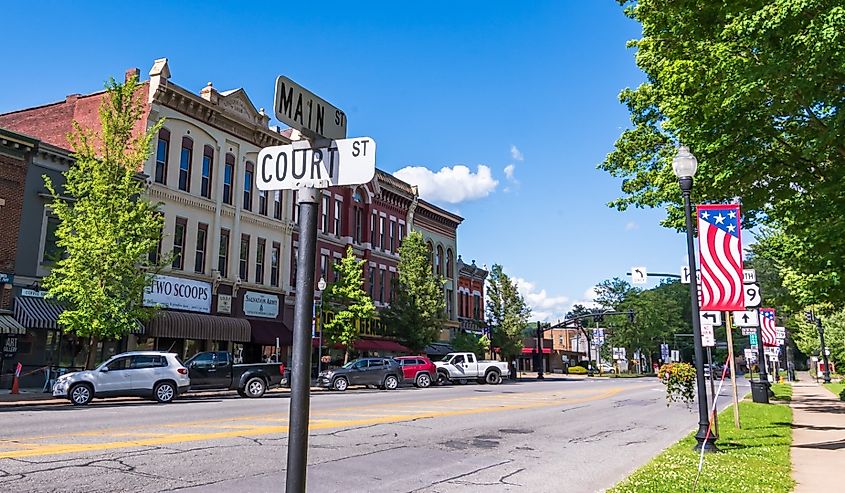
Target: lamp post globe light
685 165
321 286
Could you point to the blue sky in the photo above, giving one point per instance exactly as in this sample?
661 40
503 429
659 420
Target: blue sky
524 94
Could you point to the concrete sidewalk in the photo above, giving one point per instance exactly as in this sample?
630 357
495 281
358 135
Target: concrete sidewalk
818 436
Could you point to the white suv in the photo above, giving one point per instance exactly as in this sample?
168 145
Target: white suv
151 374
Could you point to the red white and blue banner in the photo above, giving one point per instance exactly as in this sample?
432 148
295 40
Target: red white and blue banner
767 327
720 255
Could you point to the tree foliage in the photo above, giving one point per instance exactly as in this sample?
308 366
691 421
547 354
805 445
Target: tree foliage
465 342
106 225
755 89
507 313
417 312
348 303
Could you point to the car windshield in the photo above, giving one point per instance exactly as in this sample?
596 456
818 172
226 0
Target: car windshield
446 358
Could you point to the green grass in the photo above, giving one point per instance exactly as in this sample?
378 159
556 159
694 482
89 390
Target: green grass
836 388
783 391
755 458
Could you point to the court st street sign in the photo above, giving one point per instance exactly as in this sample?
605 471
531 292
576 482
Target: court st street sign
297 165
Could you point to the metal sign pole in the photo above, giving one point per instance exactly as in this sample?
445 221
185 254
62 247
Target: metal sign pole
713 414
300 388
729 331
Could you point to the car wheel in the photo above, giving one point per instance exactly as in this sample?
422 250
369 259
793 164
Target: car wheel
80 394
255 387
423 380
164 392
493 378
391 382
442 378
340 384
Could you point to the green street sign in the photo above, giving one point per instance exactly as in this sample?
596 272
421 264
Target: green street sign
752 338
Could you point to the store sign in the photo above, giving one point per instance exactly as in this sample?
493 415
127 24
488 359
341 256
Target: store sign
261 305
224 303
179 294
31 293
6 278
10 347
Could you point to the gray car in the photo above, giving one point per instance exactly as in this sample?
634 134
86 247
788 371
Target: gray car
384 373
152 374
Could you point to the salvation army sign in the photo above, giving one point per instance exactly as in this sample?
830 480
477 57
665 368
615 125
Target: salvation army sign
179 294
261 305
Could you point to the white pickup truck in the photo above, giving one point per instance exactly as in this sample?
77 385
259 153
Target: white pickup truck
463 367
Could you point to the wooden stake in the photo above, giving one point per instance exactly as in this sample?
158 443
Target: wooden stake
729 330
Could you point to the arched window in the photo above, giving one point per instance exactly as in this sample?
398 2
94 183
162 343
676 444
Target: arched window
438 261
162 149
186 155
207 167
249 172
228 176
430 254
449 264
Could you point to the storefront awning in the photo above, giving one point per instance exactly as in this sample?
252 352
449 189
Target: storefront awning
438 349
381 345
40 313
8 325
180 325
37 313
531 350
265 332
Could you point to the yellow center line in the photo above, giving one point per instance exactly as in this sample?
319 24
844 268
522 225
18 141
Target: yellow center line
258 430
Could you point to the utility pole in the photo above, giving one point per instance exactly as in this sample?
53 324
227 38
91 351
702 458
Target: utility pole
539 349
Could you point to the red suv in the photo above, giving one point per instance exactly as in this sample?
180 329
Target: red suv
417 369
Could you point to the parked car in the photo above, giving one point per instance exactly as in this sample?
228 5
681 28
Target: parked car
463 367
607 368
384 373
417 369
217 370
152 374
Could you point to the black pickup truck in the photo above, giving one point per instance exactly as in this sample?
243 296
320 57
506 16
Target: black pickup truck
216 370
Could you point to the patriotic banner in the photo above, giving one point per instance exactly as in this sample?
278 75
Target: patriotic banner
720 255
767 327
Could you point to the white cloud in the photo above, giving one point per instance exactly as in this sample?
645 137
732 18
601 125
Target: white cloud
544 307
631 226
516 153
451 184
509 169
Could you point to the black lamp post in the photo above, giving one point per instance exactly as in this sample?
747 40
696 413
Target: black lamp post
811 317
685 165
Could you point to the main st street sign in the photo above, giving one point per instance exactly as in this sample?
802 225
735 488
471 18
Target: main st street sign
303 110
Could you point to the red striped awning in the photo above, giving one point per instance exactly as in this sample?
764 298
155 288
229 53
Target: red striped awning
531 350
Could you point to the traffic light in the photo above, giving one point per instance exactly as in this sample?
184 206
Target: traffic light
631 316
808 316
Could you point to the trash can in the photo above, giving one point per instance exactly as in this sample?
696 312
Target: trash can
760 392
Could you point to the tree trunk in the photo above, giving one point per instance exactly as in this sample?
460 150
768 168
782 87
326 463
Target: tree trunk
92 353
346 356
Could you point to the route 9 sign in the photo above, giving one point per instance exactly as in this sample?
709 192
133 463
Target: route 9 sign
752 295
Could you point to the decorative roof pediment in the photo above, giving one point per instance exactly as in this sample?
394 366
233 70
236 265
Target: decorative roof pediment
237 105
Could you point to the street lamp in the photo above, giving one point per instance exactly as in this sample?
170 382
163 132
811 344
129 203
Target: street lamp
811 317
685 165
321 286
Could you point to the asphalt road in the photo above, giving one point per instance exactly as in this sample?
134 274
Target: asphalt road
559 435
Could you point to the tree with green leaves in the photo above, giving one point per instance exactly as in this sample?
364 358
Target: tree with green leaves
754 88
106 225
465 342
348 303
417 312
507 313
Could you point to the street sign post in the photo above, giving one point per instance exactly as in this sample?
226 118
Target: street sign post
710 317
746 331
639 275
752 339
746 318
303 110
708 339
676 355
328 158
